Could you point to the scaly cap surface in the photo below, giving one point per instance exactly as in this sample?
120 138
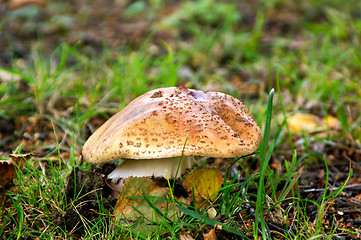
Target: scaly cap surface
159 122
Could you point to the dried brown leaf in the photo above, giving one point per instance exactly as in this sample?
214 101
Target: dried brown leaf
211 235
15 4
8 168
186 237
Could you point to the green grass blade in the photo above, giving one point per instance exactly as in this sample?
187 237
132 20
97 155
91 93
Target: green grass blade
264 163
210 221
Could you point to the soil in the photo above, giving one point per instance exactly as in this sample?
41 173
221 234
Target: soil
99 24
85 190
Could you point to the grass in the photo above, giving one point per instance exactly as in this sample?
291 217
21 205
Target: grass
314 65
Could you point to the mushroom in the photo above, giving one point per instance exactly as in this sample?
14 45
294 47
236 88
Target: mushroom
158 133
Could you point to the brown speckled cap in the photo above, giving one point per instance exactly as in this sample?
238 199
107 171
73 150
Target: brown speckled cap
158 123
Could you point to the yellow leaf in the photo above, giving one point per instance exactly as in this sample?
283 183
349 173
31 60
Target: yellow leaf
303 122
309 123
205 183
331 122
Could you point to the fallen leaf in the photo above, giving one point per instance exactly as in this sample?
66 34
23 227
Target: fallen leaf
309 123
132 203
211 235
15 4
212 212
8 168
331 122
303 122
205 183
186 237
8 172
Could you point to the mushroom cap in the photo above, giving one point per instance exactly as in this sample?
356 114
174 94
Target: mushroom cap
169 122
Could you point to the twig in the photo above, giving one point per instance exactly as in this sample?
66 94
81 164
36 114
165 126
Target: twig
352 186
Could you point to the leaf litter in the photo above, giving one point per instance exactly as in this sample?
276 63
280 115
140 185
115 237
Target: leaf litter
37 134
343 210
204 184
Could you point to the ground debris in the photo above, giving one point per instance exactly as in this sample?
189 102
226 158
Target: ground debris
84 192
8 171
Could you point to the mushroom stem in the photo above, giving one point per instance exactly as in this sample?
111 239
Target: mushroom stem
163 167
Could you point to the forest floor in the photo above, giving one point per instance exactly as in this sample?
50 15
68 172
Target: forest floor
67 66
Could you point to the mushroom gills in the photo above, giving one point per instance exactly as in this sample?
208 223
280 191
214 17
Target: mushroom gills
163 167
